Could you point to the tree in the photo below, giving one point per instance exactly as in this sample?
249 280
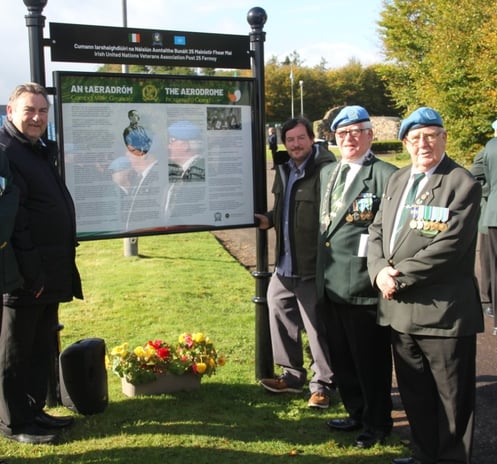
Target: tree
324 89
442 54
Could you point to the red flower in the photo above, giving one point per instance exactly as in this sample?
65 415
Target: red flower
163 353
156 344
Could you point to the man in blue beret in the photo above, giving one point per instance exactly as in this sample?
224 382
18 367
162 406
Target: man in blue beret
421 258
351 191
186 165
186 161
141 206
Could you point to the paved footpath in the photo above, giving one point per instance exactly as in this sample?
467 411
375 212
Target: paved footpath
241 243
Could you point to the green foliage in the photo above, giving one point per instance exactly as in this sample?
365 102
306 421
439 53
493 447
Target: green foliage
442 54
387 146
324 89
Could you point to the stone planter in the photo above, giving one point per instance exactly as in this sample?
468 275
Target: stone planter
165 383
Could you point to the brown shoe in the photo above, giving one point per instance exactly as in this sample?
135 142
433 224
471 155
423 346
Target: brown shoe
319 400
279 386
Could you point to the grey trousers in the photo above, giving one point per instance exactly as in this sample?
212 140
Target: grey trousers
293 308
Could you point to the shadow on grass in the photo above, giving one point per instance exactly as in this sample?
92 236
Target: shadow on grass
183 455
219 424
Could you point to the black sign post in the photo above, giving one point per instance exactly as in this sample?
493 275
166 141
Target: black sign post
99 44
263 352
35 22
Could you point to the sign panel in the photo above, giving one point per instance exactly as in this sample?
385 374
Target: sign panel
102 44
156 154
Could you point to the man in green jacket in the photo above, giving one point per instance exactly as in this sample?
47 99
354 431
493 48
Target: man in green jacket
292 289
351 191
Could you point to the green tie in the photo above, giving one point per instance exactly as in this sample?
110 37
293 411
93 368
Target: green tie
411 196
336 194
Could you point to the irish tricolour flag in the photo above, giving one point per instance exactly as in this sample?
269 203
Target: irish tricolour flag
134 38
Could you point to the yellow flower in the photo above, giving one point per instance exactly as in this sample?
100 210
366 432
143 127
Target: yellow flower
198 337
139 351
121 350
212 362
149 352
201 367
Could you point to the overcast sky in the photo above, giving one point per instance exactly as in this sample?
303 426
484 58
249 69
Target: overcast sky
336 30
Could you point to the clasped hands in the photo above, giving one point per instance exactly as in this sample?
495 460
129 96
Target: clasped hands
385 281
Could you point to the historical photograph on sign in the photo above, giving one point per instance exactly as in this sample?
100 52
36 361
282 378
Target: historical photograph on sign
146 155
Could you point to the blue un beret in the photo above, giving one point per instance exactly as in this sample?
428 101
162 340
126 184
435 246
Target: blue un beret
423 116
184 130
349 115
120 164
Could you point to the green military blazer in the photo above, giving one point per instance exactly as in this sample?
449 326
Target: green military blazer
489 216
438 293
341 272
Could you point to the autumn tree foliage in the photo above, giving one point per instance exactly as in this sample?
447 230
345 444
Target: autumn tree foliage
443 54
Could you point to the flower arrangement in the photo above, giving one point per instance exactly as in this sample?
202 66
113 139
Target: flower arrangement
193 353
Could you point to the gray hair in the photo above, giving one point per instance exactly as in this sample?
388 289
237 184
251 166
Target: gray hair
28 87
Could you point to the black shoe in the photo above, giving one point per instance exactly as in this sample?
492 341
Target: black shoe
368 439
51 422
405 461
32 434
346 425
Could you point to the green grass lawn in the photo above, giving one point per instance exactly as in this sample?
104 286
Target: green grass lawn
182 283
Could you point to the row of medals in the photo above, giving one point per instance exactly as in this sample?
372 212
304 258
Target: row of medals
362 209
429 217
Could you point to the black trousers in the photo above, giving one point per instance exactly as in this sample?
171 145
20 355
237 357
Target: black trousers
361 357
492 242
26 347
486 263
437 384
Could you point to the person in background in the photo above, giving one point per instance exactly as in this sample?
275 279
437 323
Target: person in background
421 258
489 219
44 242
292 289
351 191
484 255
272 141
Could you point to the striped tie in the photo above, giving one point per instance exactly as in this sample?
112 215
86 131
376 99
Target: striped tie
411 196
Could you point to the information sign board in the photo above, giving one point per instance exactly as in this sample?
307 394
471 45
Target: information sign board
156 154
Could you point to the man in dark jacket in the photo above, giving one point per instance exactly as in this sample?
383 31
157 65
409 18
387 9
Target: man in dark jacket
9 200
423 266
292 289
44 241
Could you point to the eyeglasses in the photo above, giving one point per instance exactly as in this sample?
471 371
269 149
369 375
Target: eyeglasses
354 133
430 137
